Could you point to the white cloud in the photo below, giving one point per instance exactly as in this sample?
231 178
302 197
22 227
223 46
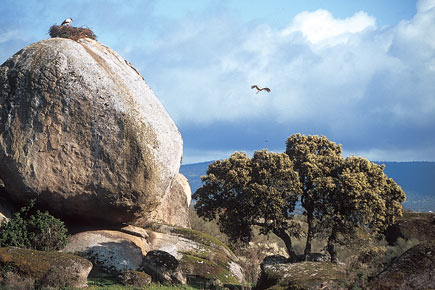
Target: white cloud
345 78
425 5
376 74
320 25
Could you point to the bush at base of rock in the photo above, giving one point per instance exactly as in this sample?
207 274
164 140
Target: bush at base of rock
134 278
40 231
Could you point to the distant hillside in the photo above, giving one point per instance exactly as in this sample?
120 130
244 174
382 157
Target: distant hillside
193 173
417 179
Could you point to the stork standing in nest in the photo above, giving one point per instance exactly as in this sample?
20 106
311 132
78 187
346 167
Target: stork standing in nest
66 22
260 89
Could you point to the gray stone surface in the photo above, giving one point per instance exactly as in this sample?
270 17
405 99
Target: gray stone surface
198 254
174 209
81 131
112 251
163 267
48 269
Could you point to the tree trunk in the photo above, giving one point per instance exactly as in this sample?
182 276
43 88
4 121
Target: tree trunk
307 252
331 246
288 244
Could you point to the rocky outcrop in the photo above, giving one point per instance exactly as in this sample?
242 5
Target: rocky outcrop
46 269
198 254
414 269
82 132
277 273
112 251
174 210
412 225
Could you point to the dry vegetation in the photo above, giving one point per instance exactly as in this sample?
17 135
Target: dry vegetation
363 256
74 33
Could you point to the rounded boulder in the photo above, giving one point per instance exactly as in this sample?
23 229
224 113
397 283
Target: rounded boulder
83 134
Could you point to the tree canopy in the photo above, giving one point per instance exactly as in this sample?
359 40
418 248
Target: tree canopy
358 195
245 192
315 158
338 195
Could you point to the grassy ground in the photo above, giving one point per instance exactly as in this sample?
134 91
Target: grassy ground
111 284
152 287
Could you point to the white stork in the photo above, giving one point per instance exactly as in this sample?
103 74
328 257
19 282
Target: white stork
260 89
66 22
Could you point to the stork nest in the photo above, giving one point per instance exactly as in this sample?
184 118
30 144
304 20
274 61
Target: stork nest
74 33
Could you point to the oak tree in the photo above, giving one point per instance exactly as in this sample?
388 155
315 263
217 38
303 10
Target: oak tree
314 157
339 195
243 192
359 196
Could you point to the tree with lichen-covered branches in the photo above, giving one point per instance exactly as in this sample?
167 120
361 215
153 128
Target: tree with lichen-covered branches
242 192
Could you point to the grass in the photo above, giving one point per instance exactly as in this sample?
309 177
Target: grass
152 287
110 283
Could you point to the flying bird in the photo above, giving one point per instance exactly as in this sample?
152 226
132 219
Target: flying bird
260 89
66 22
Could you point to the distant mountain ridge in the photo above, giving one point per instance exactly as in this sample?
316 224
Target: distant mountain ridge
417 179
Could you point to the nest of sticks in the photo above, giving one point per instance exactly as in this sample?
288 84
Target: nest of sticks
71 32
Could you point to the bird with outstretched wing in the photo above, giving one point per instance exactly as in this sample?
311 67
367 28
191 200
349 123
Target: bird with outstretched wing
260 89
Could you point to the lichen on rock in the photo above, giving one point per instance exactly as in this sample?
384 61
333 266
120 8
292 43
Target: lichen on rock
47 269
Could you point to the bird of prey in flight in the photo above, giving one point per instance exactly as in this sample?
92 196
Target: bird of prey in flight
66 22
260 89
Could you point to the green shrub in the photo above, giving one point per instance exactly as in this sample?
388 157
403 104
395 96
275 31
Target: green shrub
39 231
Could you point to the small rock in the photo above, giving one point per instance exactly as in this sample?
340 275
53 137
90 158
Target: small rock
135 231
163 267
134 278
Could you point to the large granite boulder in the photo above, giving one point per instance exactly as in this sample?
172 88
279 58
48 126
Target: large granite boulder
82 132
45 269
174 209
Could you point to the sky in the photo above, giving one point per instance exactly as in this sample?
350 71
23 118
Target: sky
361 72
